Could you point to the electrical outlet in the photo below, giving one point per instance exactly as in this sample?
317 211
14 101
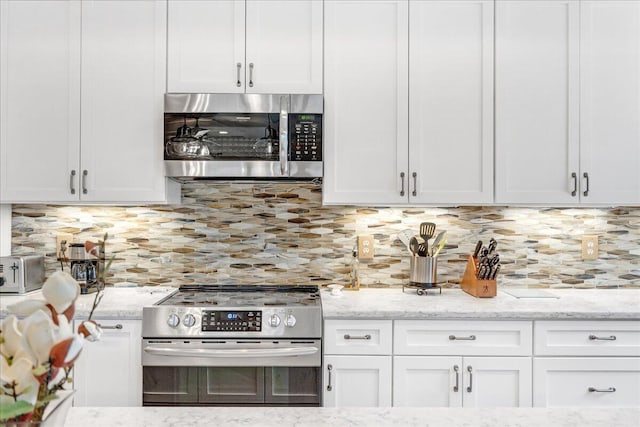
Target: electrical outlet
67 239
589 247
365 247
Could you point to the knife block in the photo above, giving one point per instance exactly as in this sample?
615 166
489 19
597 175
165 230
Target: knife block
474 286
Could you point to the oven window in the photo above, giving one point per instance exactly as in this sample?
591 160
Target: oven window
231 385
296 385
169 385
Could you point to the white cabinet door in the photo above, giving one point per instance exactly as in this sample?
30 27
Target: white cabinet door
586 382
537 101
40 102
109 372
205 49
420 381
610 101
491 382
357 381
123 80
451 101
366 102
284 46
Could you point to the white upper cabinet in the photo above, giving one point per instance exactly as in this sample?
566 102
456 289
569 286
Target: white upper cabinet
40 99
408 102
238 46
206 46
451 101
610 101
568 102
123 77
82 114
537 101
366 102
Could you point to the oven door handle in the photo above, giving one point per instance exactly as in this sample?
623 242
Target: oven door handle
236 352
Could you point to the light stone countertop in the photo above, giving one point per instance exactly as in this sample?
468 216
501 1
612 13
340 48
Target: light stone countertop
393 303
337 417
117 303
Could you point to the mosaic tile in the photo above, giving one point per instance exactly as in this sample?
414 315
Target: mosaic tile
278 232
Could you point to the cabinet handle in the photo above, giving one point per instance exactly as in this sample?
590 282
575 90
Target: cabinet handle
599 390
469 338
239 65
609 338
116 326
357 337
251 74
402 180
586 191
415 183
456 369
329 368
575 184
469 368
71 182
84 181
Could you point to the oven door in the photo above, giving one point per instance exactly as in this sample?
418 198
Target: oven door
231 372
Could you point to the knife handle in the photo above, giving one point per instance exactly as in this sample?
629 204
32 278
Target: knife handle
476 251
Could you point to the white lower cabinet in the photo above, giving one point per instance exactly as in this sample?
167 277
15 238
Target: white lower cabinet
109 371
593 363
357 363
453 381
586 381
357 381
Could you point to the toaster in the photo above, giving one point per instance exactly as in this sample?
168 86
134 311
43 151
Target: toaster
20 274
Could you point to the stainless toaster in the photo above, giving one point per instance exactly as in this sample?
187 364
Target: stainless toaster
20 274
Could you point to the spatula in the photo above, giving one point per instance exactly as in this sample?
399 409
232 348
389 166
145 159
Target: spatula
437 241
405 237
426 232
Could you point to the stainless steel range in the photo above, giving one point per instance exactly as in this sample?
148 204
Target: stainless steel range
233 345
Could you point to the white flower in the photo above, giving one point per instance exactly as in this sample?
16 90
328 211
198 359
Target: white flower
27 307
11 335
20 373
60 290
38 336
90 330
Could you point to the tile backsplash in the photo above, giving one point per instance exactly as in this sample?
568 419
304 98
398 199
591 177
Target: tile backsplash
279 232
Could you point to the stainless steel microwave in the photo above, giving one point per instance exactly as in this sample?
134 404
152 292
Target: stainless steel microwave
243 136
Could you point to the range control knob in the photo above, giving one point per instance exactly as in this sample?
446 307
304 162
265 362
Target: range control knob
290 321
189 320
274 320
173 320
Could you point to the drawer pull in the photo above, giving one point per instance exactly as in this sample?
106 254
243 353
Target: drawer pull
469 338
329 368
456 369
599 390
116 326
470 388
609 338
357 337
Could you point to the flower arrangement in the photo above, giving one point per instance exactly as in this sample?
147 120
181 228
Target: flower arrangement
38 350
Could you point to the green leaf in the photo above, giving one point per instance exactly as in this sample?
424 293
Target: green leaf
17 408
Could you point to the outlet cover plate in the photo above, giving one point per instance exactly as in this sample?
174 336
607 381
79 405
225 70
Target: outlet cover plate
365 247
589 247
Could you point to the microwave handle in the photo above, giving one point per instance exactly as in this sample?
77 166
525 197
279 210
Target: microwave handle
284 135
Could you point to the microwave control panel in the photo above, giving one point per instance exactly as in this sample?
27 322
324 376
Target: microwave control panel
305 137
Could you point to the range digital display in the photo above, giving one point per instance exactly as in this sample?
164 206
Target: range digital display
231 321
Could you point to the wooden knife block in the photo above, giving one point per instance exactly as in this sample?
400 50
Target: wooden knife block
474 286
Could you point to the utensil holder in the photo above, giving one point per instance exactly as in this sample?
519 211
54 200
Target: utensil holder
424 270
477 287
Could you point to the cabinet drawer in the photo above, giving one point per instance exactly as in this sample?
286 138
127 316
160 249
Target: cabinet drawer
586 381
587 338
357 336
452 337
